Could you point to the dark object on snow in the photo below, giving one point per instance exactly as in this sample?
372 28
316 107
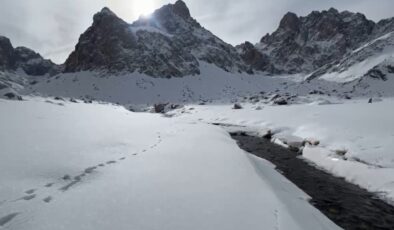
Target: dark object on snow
160 108
268 135
13 96
237 106
280 101
73 100
59 99
165 107
370 101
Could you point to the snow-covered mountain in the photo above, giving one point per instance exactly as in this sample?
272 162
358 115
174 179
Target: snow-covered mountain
169 43
32 63
169 56
303 44
20 66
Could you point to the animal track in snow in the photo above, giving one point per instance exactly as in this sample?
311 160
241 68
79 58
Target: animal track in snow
49 185
47 199
68 186
30 191
28 197
69 181
5 219
90 169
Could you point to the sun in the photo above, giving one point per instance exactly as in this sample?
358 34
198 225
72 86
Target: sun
143 7
131 9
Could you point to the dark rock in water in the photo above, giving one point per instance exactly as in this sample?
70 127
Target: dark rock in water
237 106
296 146
268 135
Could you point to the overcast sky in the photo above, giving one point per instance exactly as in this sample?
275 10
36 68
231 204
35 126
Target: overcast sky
52 27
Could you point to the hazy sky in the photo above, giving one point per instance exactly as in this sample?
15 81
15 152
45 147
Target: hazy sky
52 27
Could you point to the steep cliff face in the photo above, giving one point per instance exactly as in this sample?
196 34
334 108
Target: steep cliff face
169 43
303 44
26 59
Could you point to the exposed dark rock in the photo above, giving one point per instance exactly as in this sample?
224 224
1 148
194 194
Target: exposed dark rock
13 96
304 44
31 62
280 101
169 43
377 74
7 54
237 106
255 59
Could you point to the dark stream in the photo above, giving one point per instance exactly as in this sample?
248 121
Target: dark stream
346 204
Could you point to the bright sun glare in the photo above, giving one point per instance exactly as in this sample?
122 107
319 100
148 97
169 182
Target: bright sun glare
143 7
131 9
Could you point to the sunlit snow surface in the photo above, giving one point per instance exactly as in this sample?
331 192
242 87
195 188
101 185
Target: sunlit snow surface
96 166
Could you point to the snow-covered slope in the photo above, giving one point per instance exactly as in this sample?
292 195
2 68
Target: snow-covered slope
360 61
94 166
214 84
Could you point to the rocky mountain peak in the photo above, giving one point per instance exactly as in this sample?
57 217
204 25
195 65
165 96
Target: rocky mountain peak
172 18
168 43
26 59
303 44
106 18
181 9
7 56
290 21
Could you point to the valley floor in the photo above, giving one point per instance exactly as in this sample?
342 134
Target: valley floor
98 166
